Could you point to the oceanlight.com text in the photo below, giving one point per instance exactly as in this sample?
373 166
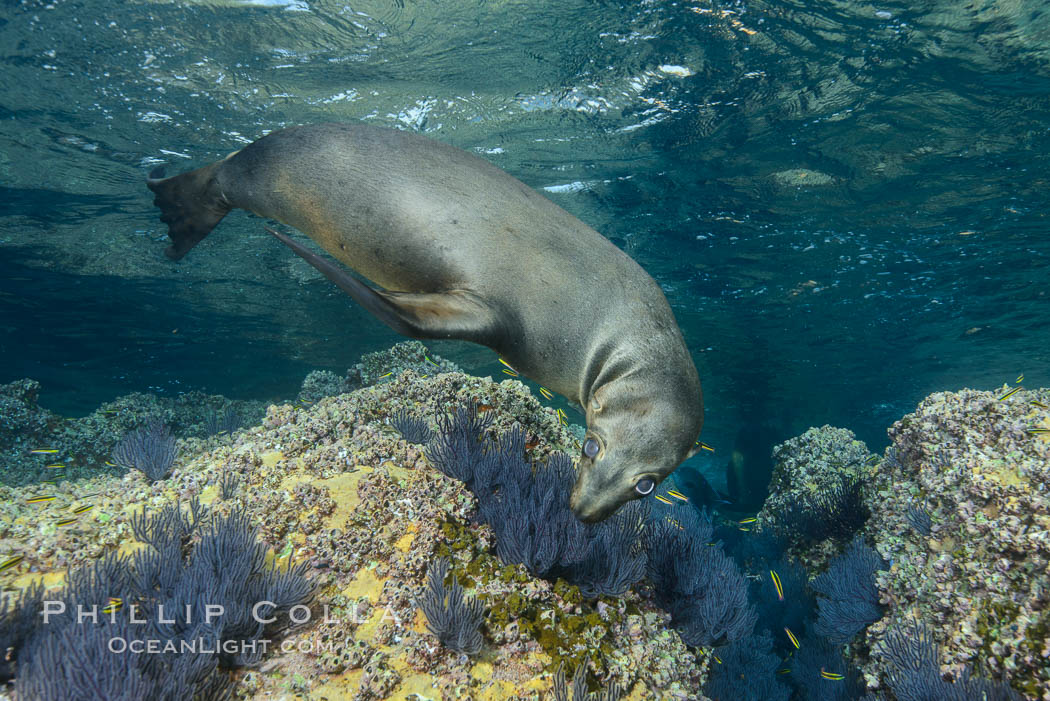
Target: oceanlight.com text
210 646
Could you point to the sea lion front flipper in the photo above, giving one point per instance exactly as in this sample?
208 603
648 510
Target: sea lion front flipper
454 314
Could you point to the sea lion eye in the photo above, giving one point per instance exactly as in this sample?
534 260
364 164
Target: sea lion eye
644 486
590 447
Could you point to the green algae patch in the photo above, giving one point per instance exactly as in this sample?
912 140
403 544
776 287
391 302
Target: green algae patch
343 686
270 459
50 580
365 584
565 628
414 685
343 490
209 495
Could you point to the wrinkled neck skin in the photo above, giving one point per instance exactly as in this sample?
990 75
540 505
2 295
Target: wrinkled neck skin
645 410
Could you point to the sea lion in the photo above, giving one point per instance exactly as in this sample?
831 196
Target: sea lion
460 249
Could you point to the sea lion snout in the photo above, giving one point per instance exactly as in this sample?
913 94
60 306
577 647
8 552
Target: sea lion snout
587 511
591 500
593 516
641 425
584 510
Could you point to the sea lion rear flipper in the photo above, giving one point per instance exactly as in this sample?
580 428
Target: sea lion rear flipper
454 314
191 204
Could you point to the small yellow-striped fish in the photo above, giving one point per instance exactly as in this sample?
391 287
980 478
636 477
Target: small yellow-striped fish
547 394
110 464
10 562
1037 430
783 671
1039 404
664 499
55 466
427 358
791 636
1010 393
81 509
1020 378
113 606
40 499
386 375
512 373
872 458
677 495
65 521
750 519
562 417
833 676
43 451
705 446
776 582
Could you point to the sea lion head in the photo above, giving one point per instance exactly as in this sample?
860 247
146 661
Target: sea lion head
638 432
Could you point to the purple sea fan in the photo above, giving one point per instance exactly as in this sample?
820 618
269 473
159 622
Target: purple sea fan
452 617
150 448
848 600
413 429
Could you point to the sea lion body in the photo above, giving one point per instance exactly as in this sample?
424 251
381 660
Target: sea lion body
462 249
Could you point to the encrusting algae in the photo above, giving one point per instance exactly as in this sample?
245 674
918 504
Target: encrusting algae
958 512
332 484
980 576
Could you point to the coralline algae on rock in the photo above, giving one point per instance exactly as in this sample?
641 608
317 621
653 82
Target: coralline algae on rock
816 467
394 514
375 368
334 485
407 355
82 446
980 576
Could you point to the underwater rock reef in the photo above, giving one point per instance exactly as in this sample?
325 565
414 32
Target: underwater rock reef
334 486
951 545
816 494
38 446
961 509
418 519
374 368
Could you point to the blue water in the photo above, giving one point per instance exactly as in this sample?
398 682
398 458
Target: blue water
844 202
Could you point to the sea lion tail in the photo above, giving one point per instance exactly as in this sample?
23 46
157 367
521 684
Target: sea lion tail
191 204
